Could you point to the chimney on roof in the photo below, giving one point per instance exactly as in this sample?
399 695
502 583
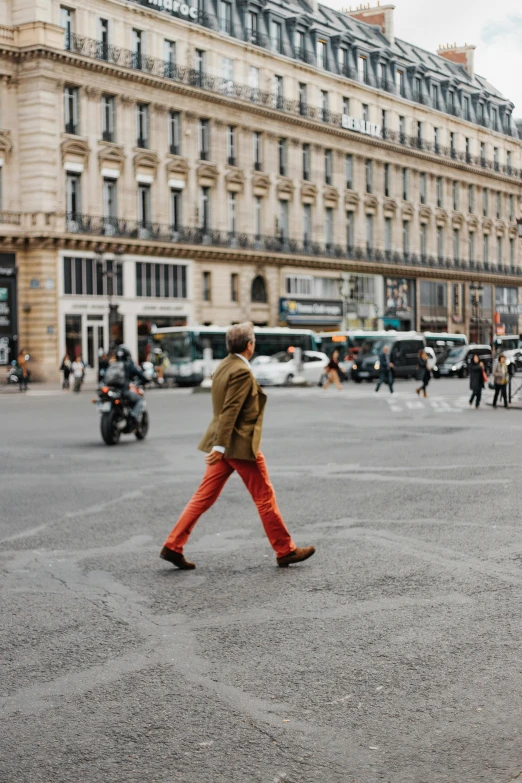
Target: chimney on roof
380 15
463 55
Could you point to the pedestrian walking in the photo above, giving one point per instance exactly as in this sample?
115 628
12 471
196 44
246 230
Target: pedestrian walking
232 443
23 371
78 371
477 379
385 370
500 378
66 368
332 371
423 373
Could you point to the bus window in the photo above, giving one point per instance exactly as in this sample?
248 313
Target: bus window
214 340
178 347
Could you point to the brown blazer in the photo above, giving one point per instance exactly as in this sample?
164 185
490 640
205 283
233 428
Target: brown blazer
238 403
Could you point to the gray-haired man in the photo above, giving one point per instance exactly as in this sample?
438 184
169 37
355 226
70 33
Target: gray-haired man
232 443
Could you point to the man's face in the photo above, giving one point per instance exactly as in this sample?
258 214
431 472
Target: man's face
250 349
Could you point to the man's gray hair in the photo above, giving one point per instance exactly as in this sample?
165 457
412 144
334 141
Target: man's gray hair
238 337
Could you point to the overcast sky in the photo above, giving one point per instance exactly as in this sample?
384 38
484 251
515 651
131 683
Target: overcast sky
495 29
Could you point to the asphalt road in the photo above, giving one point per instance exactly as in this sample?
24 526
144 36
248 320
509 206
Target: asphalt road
393 655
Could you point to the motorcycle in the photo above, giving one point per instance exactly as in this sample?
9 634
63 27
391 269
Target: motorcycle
116 415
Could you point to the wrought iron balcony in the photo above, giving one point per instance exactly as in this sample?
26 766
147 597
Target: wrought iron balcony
175 149
72 128
88 47
305 55
107 135
183 235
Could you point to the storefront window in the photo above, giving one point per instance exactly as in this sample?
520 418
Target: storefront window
73 335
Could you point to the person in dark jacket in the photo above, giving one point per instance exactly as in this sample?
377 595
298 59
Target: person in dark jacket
385 370
476 380
66 368
423 373
132 373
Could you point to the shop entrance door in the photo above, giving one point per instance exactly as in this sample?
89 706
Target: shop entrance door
96 342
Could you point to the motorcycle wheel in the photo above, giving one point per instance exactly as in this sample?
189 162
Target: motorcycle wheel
143 428
110 432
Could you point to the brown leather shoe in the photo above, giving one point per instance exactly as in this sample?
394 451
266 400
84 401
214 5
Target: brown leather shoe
297 556
176 558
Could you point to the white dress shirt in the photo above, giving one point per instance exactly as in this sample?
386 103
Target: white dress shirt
221 449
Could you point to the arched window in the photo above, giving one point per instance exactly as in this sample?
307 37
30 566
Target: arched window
259 290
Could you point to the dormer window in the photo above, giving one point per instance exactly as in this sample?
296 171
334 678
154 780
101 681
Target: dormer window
343 61
465 106
399 82
435 96
362 68
494 118
277 36
417 89
252 26
321 54
383 80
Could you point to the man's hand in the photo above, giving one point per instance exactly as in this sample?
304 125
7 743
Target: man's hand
213 458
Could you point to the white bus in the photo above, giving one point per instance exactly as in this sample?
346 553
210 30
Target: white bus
184 345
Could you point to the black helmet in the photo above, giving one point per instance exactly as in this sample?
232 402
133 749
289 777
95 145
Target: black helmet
122 353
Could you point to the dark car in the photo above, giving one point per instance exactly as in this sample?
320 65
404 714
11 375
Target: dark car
403 351
458 360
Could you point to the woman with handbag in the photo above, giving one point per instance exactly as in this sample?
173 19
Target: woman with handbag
501 378
477 380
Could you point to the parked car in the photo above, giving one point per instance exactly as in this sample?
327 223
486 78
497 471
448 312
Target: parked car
404 348
280 369
458 360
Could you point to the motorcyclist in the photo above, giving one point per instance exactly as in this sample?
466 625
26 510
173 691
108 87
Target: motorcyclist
132 372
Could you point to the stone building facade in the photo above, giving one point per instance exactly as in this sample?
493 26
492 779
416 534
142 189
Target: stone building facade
210 163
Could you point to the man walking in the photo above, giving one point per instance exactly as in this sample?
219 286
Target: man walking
232 443
385 370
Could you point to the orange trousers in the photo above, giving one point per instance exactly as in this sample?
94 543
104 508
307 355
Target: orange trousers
255 477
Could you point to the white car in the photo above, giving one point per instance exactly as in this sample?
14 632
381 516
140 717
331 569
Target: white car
280 369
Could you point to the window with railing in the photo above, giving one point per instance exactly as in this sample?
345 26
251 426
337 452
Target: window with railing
325 112
175 132
482 153
142 125
471 247
302 96
496 159
499 251
344 66
225 17
440 242
453 150
471 199
388 228
362 68
406 237
456 244
232 212
176 204
138 48
369 233
423 240
72 110
110 202
365 112
435 96
485 202
328 228
258 217
169 58
307 223
402 129
67 22
322 54
200 59
499 205
466 108
283 219
417 89
73 196
103 38
512 251
144 206
436 139
278 92
252 25
511 208
108 118
92 277
350 231
204 208
400 83
276 35
485 248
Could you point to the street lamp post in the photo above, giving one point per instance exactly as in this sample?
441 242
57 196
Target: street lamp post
345 291
476 291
